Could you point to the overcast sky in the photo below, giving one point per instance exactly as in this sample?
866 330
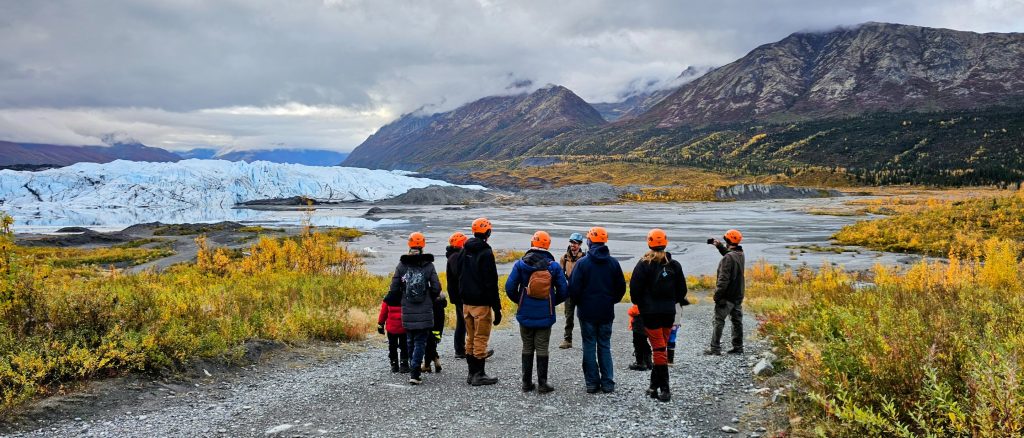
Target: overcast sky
246 74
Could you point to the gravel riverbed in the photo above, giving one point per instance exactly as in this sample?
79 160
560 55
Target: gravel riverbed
350 391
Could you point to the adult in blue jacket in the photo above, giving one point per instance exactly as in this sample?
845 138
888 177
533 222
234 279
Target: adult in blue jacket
595 286
537 295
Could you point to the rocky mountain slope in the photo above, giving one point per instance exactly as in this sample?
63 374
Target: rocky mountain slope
14 154
872 67
637 102
497 127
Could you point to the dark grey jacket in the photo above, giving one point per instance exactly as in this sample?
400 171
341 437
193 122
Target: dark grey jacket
730 285
416 316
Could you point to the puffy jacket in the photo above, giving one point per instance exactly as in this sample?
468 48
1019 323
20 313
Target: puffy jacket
569 260
476 275
532 312
439 304
451 253
416 316
730 286
391 317
596 285
644 275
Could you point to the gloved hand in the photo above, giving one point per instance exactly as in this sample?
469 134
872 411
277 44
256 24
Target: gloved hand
497 316
380 328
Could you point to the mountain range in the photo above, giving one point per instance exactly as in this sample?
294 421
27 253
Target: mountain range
883 102
32 156
309 157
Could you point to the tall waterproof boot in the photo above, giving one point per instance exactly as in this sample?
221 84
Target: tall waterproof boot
649 361
404 369
652 391
542 375
528 372
666 393
471 365
394 365
481 378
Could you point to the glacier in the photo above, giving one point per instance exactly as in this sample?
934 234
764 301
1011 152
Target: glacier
122 193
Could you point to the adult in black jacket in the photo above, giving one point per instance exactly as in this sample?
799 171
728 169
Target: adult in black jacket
657 285
729 291
455 244
415 275
476 278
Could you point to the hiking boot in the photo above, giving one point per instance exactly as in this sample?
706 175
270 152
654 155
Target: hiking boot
566 344
735 350
607 389
404 369
638 367
528 373
437 364
712 352
481 378
394 367
461 355
593 389
542 375
425 367
415 381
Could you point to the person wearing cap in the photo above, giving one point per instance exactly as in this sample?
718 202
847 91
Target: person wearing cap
451 253
572 254
657 285
416 285
596 284
476 276
728 293
537 284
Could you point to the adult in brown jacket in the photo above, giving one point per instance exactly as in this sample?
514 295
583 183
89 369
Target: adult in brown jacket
572 255
729 293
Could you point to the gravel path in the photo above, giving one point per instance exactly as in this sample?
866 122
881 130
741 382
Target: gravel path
354 394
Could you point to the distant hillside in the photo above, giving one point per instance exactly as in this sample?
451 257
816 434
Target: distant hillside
490 128
309 157
869 68
33 154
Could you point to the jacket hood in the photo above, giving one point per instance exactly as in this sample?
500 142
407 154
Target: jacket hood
450 250
475 245
416 259
599 252
538 257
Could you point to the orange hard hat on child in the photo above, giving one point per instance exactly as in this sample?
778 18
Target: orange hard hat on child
598 235
541 239
417 240
657 238
457 240
734 237
481 225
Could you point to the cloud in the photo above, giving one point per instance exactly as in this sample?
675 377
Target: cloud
326 73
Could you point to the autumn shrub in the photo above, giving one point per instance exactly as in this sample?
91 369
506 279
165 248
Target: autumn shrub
60 323
931 350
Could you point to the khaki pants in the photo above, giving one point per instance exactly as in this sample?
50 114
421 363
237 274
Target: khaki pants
478 329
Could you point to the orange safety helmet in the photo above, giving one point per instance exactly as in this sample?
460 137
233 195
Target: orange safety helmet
417 240
598 235
541 239
481 225
457 240
657 238
734 237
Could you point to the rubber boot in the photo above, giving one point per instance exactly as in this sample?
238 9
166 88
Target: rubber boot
481 378
649 361
405 367
394 366
542 375
665 394
652 391
671 355
528 372
471 365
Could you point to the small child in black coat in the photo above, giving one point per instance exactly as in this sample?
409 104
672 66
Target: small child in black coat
435 336
641 348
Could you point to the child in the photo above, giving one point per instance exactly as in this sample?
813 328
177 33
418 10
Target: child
390 320
641 349
435 335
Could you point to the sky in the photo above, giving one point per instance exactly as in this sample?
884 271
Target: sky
257 74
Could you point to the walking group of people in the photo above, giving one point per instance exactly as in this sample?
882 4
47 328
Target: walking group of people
589 282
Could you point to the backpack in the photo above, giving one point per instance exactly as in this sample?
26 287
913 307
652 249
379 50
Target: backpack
539 284
415 280
663 286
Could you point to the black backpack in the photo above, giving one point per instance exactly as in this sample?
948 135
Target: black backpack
416 282
663 285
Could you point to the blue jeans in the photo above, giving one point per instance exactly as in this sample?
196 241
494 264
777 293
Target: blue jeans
418 342
597 355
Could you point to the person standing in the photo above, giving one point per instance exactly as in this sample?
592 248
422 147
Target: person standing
728 293
572 254
595 286
415 282
537 284
476 275
657 286
455 244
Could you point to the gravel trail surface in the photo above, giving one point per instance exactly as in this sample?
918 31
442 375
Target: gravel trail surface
353 393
